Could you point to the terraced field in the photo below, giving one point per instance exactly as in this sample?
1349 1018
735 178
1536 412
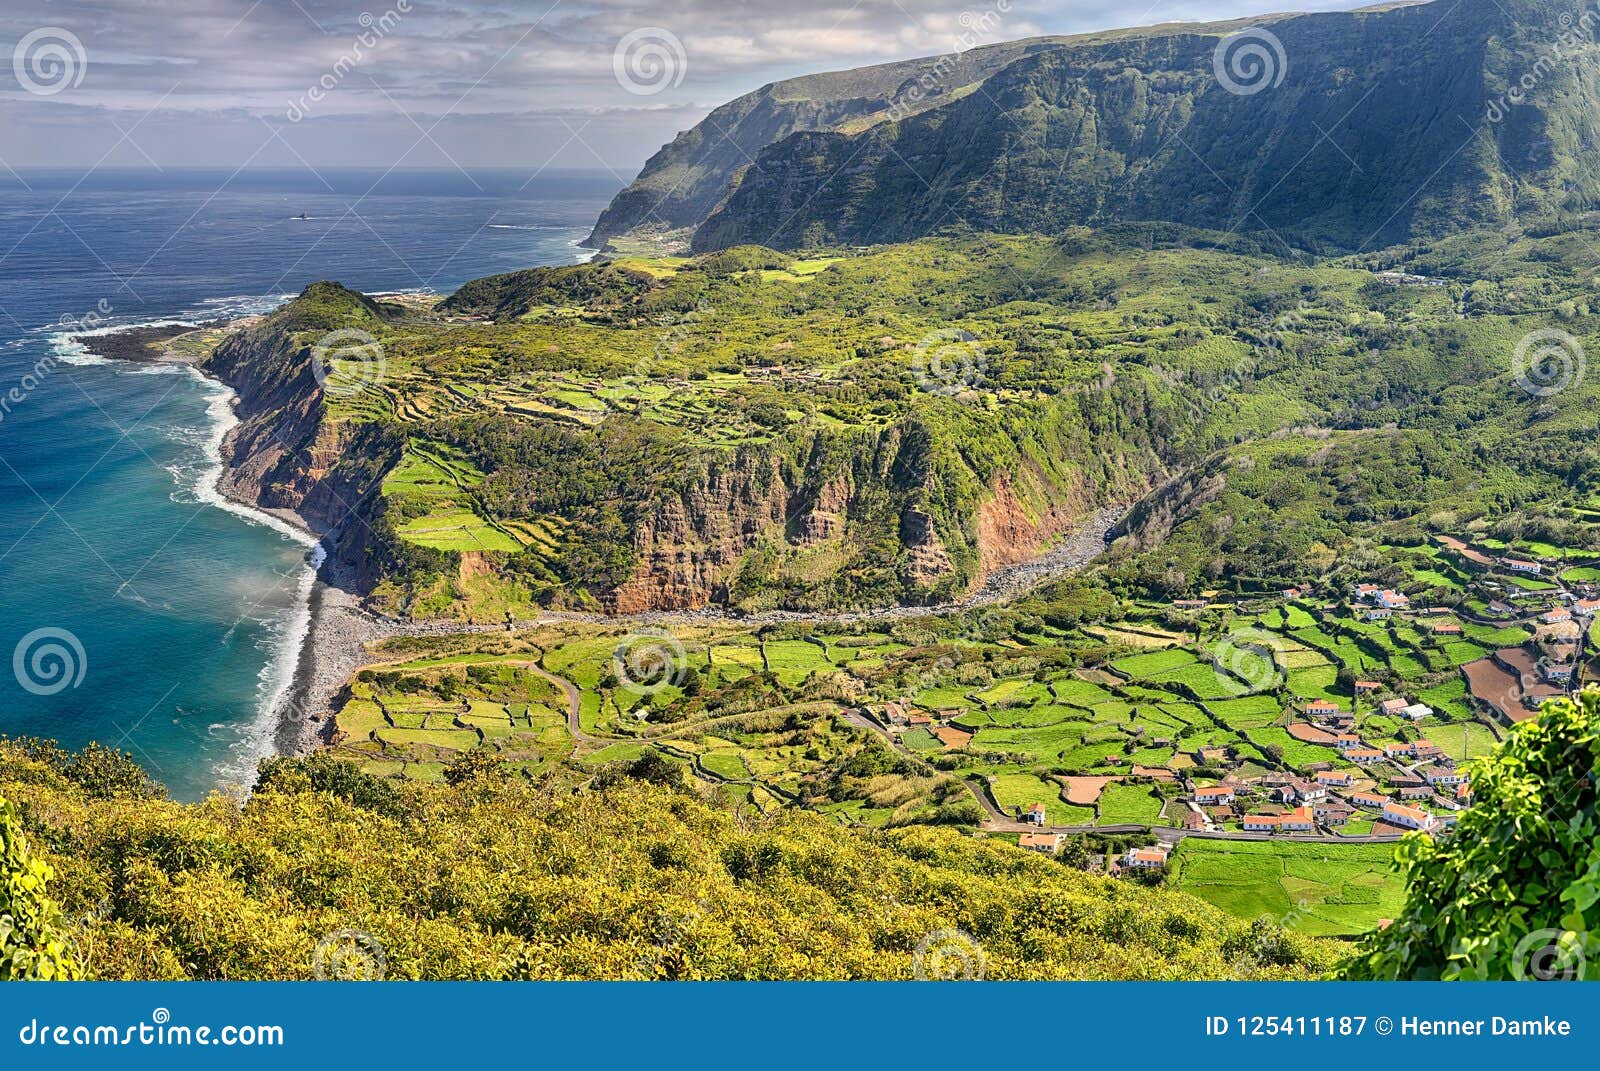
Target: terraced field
1332 890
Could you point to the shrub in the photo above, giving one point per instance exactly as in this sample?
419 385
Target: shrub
32 944
1514 891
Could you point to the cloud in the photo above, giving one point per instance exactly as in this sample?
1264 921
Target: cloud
363 79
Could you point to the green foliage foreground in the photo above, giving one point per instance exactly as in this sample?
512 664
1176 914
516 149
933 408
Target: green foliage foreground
32 946
490 878
1513 892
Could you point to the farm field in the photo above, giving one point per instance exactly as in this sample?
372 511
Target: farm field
1327 890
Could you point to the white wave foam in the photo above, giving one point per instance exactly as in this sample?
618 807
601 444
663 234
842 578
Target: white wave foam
259 739
207 489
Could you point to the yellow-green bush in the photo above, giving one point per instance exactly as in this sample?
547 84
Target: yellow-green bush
496 879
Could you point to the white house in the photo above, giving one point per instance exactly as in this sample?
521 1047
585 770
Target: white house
1145 858
1411 817
1048 843
1301 819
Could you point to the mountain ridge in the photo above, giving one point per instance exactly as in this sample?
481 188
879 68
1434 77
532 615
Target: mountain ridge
1375 126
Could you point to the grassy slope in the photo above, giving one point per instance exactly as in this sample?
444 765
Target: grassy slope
628 882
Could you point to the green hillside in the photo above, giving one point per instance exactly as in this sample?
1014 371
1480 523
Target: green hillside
1365 128
631 878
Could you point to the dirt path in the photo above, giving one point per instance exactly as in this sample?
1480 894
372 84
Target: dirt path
574 703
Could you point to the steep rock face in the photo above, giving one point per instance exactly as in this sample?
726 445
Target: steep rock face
688 549
284 454
1151 522
926 560
1009 532
685 179
1386 124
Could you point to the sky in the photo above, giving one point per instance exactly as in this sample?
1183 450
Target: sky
526 84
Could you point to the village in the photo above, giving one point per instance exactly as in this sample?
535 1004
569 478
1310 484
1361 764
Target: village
1354 728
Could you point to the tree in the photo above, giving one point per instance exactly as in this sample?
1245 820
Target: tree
479 765
33 946
1514 891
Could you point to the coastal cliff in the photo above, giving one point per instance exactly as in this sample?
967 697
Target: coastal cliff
284 455
814 520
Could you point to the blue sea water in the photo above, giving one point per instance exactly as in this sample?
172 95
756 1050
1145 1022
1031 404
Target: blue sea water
136 607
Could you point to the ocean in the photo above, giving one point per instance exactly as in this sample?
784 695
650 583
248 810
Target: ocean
140 610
